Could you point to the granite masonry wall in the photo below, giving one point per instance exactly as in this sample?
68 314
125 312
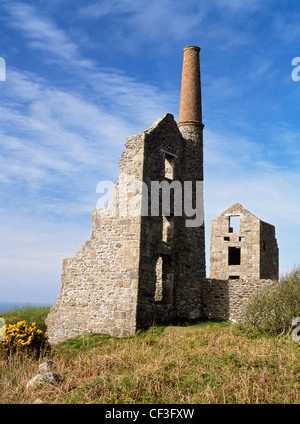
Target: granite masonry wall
169 256
243 259
223 299
99 284
245 249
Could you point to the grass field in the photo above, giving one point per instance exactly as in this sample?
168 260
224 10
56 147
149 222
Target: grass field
204 363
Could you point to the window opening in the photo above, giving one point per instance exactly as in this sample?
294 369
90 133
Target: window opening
169 166
226 238
241 238
234 224
168 229
234 277
234 255
158 283
164 286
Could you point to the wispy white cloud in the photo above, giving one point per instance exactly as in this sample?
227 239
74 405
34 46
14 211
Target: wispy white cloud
100 9
111 86
147 22
54 130
43 35
59 137
138 102
238 170
243 6
174 21
286 28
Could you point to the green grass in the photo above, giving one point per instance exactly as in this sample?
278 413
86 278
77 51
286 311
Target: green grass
92 340
85 341
29 314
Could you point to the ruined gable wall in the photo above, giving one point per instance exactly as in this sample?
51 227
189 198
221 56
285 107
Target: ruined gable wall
178 249
250 246
158 233
99 284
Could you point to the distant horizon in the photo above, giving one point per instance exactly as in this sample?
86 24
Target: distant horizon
8 306
12 303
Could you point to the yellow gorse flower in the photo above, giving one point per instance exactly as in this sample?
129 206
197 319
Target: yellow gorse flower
22 336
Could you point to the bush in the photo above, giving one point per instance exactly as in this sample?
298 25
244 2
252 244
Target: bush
274 307
24 338
27 313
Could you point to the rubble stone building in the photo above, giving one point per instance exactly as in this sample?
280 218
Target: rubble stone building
139 268
242 246
243 259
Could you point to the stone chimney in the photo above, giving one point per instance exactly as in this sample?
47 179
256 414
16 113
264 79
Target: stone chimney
191 240
190 111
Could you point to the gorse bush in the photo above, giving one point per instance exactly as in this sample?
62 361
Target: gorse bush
273 308
24 338
27 313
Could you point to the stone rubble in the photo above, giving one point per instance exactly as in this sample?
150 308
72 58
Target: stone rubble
44 375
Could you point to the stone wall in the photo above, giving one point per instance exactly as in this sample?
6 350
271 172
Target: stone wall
99 286
269 254
157 256
254 241
171 255
226 299
191 246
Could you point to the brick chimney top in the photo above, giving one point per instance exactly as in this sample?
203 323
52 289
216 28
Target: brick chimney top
190 111
192 48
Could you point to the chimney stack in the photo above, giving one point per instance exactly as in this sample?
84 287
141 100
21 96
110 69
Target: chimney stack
190 111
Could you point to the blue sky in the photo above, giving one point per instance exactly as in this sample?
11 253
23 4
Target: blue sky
81 76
